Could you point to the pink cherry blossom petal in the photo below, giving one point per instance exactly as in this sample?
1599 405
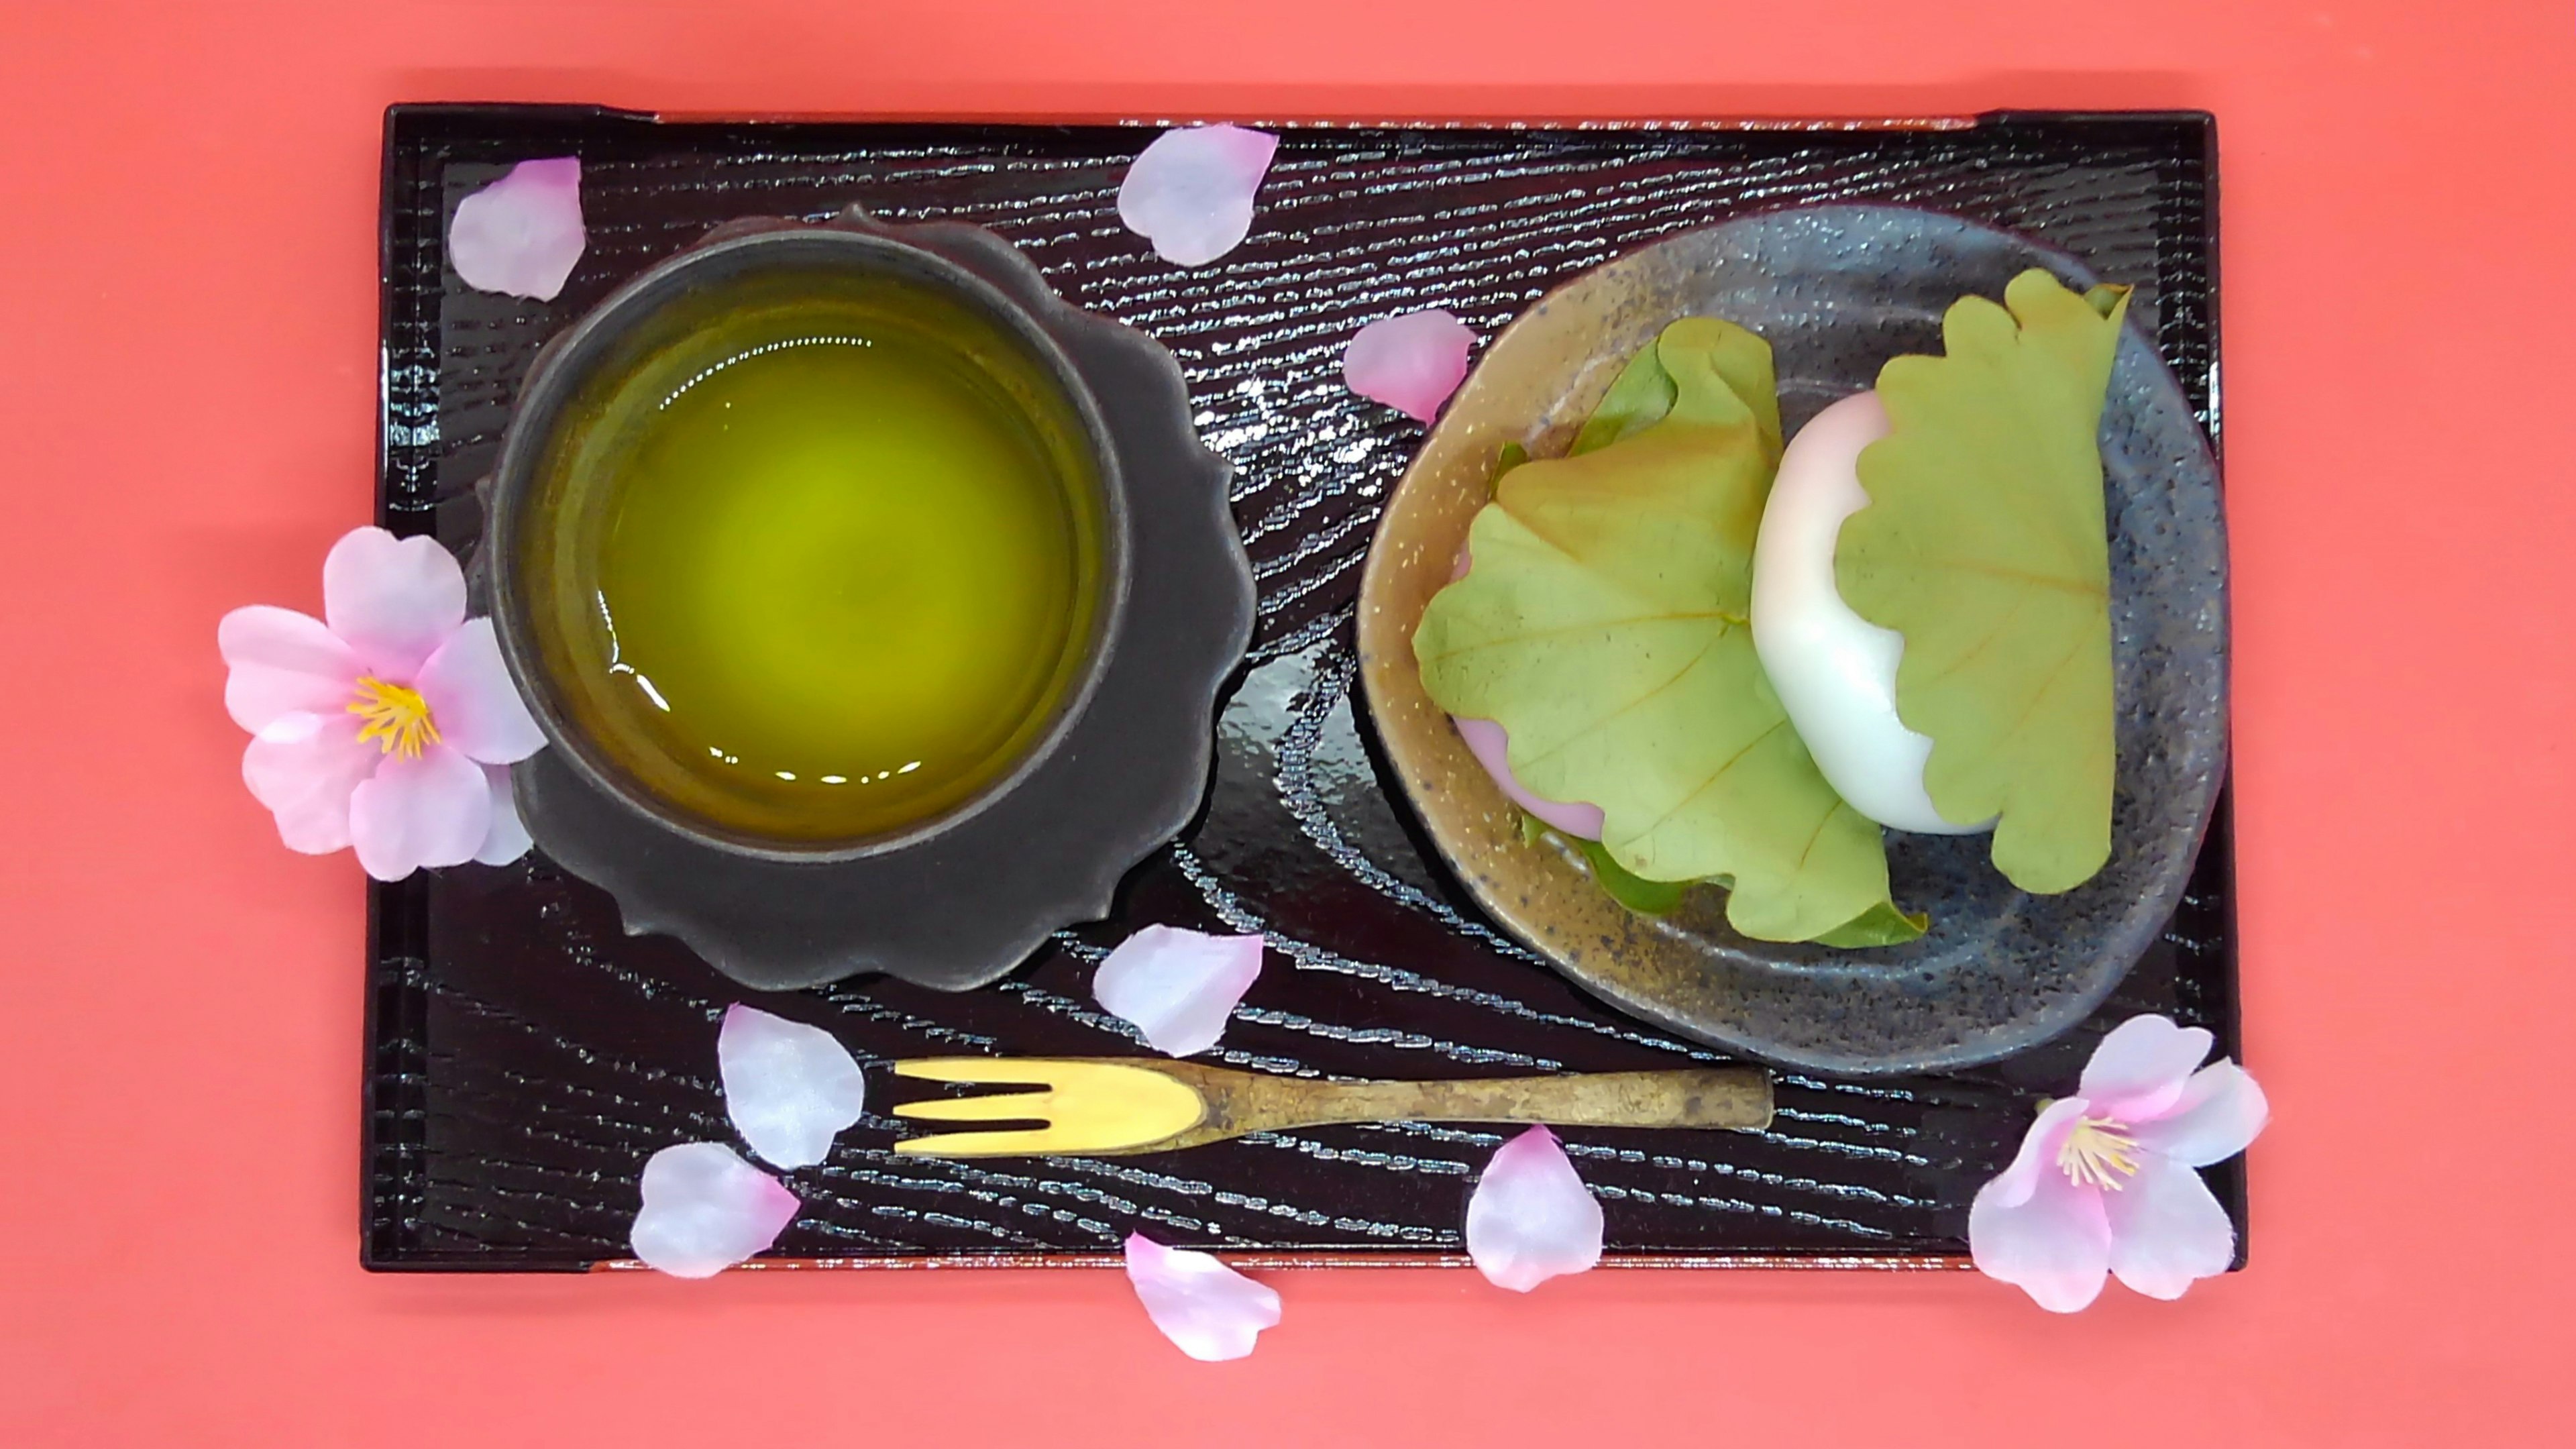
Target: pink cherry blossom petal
2138 1071
394 600
304 767
1211 1311
430 810
522 234
282 662
506 839
2219 1114
789 1088
2035 1228
472 701
1492 749
1177 986
706 1209
2048 1131
1531 1218
1190 191
1411 362
2167 1231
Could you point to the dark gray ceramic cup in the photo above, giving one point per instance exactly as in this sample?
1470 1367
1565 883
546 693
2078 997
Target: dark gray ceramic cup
959 898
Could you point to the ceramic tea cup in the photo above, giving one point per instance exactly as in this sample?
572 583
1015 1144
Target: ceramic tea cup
874 601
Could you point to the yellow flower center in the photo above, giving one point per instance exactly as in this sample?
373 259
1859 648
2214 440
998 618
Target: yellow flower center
2099 1153
397 718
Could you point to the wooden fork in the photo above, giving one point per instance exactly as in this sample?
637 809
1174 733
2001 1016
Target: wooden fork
1112 1106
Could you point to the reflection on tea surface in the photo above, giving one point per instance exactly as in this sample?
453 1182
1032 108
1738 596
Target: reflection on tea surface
838 568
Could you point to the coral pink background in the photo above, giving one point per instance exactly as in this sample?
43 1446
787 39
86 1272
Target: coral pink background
187 399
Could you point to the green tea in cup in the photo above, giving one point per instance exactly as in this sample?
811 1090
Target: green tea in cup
818 555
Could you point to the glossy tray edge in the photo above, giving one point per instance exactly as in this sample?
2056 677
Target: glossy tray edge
397 912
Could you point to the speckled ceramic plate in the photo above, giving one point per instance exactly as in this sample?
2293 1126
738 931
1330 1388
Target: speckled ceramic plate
1837 290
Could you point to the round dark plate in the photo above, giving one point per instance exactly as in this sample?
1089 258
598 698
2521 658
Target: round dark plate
1837 291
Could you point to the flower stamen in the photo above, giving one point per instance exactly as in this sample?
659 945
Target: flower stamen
2099 1153
397 718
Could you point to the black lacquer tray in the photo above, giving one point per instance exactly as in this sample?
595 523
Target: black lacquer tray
525 1055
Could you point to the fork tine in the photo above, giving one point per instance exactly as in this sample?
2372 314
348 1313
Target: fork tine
980 1069
1090 1105
1039 1143
1004 1107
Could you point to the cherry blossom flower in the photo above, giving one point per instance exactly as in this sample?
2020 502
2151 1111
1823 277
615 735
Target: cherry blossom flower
388 724
2105 1183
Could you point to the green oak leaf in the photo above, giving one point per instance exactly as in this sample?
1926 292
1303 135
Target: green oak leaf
1984 544
1881 925
1605 627
1645 897
1638 398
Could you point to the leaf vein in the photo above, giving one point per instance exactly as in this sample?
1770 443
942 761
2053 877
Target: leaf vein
1714 776
1809 848
1527 635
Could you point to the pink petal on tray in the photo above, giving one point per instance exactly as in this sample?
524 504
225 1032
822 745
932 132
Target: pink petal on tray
522 234
1177 986
789 1088
1411 362
1530 1217
706 1209
1190 191
2139 1069
1211 1311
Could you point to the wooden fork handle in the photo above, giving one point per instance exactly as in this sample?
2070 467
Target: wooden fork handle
1699 1097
